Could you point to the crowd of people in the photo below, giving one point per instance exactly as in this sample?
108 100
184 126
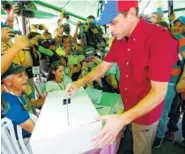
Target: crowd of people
40 62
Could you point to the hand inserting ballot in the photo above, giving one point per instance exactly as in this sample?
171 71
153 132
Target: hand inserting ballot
73 87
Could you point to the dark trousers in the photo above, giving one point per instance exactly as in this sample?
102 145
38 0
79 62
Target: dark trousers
126 144
175 113
183 123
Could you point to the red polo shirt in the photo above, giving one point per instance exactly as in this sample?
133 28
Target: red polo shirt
147 55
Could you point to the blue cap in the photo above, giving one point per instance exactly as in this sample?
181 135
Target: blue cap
181 19
109 12
111 8
160 11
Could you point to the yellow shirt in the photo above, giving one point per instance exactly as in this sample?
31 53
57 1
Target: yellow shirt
19 57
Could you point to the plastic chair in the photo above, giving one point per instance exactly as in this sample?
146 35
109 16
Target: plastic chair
9 143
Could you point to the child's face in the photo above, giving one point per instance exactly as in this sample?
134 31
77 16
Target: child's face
66 42
63 61
178 28
59 73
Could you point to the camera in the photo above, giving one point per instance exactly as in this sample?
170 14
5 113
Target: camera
67 29
82 27
23 8
46 43
92 25
15 32
65 14
6 5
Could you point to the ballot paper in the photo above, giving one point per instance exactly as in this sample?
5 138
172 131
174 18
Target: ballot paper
54 135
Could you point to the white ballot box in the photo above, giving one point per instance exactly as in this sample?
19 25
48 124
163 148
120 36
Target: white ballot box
62 129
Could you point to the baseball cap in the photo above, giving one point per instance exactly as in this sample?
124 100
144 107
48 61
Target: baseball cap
181 19
14 69
160 11
111 8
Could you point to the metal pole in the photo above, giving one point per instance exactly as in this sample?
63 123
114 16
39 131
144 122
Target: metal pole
24 24
170 11
58 9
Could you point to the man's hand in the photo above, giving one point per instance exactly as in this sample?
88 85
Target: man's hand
85 66
4 47
95 31
96 60
33 42
6 34
172 17
78 22
73 87
21 42
114 124
16 8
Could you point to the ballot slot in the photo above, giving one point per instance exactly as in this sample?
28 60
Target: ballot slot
66 102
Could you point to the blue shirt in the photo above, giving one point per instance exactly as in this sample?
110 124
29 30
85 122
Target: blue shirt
16 112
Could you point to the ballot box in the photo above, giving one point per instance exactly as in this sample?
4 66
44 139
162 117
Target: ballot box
65 129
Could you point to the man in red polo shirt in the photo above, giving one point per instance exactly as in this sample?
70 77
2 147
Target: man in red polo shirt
139 49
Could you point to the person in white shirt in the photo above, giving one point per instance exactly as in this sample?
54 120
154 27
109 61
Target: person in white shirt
57 79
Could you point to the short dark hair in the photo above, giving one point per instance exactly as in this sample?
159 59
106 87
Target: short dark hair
32 35
163 24
125 12
91 17
65 37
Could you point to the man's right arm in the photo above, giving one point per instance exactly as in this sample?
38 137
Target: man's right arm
96 73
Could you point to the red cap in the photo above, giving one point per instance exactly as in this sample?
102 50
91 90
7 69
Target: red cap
125 5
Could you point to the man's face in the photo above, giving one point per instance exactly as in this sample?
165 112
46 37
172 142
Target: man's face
178 28
154 18
19 81
90 20
120 26
60 31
